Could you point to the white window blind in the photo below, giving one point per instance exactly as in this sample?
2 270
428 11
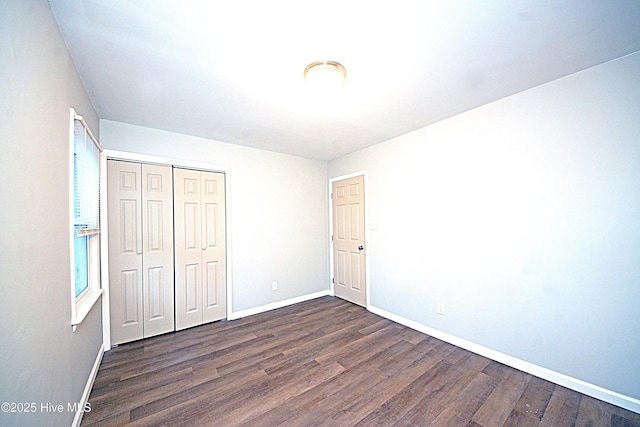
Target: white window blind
86 181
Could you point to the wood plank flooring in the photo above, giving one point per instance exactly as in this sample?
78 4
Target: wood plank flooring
325 362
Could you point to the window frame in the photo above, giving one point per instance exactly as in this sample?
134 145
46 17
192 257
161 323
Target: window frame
85 300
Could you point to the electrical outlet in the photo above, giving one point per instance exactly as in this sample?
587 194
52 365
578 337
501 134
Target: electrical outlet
440 308
274 286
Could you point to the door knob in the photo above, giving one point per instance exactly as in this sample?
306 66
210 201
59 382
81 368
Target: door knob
361 248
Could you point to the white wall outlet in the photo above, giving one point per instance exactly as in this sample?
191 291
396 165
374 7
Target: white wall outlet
440 308
274 286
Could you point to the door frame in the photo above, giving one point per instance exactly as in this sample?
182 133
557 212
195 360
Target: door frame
365 175
104 242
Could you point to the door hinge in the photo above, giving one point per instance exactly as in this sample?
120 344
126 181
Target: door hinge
333 280
332 238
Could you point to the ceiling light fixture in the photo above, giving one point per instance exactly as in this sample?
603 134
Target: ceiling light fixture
325 74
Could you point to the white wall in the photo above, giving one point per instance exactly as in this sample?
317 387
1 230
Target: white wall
523 217
278 223
41 360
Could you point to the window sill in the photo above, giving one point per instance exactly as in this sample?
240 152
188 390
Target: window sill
83 306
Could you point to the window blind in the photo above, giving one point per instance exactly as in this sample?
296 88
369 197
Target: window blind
86 161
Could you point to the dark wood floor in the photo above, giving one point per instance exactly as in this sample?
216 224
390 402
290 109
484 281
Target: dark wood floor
325 362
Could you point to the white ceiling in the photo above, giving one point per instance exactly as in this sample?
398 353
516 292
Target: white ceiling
232 70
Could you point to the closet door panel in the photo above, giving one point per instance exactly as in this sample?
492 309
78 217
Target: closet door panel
157 220
155 308
125 251
192 286
188 248
129 312
214 248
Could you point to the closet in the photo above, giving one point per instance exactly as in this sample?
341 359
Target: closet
199 247
140 212
167 249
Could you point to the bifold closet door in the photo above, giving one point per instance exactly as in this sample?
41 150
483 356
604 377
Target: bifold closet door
140 250
200 247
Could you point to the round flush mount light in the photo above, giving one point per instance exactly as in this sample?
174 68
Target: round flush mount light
325 74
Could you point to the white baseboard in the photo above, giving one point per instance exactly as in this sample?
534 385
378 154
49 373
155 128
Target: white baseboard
274 305
87 388
592 390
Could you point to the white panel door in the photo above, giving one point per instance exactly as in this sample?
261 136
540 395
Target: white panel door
124 181
188 248
349 240
200 252
140 250
214 247
157 248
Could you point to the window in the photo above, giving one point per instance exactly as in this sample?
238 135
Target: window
85 219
